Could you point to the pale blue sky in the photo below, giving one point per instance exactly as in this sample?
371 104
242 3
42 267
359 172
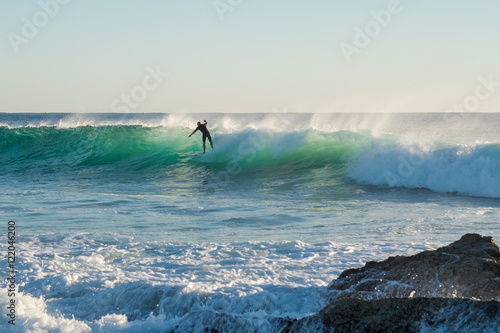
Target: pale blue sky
257 56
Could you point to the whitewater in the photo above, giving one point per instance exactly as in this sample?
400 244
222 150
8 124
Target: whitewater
120 229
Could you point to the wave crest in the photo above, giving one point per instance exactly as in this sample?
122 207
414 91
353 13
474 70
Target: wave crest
470 170
367 158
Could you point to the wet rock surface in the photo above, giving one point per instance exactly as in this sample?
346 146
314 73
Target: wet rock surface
403 315
455 288
467 268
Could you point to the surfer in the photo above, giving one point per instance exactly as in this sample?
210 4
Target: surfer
206 134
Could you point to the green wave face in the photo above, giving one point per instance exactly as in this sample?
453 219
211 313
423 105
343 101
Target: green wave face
49 149
135 148
133 153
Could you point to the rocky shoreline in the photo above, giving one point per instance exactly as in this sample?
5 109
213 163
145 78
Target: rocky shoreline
455 288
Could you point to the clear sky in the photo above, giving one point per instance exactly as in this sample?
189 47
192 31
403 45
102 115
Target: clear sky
249 56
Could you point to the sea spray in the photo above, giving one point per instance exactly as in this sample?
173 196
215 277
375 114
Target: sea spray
121 229
382 160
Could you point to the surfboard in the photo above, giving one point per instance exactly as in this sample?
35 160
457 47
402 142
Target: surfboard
198 154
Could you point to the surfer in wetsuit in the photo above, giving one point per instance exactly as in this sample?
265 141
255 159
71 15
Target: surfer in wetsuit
206 134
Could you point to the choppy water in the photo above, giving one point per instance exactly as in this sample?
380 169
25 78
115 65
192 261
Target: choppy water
119 228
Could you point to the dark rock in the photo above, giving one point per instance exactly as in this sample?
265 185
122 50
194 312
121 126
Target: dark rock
455 288
402 315
467 268
409 315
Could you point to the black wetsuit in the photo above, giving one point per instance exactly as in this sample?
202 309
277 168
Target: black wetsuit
203 129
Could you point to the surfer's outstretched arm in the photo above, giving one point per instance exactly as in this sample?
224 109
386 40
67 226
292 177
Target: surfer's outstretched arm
193 132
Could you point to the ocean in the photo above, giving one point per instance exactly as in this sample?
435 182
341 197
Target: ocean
119 228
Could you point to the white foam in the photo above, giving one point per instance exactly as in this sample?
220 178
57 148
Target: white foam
115 283
467 169
32 315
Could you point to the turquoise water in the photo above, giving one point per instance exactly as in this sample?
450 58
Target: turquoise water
121 229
